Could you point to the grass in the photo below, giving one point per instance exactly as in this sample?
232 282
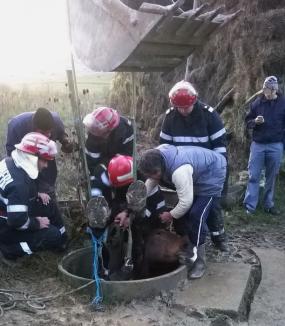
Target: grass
237 216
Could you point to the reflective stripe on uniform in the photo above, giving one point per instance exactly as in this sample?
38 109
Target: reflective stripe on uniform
4 200
26 248
94 155
17 208
127 140
218 134
216 233
147 213
96 192
62 230
105 179
165 136
25 226
184 139
220 149
161 204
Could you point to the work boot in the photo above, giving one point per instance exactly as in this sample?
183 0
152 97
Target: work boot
98 212
199 266
188 256
220 242
136 196
272 211
222 246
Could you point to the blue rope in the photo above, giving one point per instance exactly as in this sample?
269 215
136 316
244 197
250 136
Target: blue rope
97 246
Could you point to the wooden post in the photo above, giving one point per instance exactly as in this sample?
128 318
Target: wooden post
195 4
187 69
78 127
134 114
73 90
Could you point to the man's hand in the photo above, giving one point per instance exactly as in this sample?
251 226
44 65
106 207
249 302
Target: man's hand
259 120
166 217
122 219
44 222
45 198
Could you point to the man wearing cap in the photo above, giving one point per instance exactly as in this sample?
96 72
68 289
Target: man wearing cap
191 122
26 224
108 134
49 124
266 118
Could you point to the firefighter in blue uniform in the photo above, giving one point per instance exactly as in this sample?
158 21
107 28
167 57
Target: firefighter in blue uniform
198 175
49 124
108 134
113 184
191 122
27 225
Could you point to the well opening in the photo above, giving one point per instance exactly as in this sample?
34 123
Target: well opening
76 270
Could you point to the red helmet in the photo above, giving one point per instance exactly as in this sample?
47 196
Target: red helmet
183 95
120 170
38 145
101 120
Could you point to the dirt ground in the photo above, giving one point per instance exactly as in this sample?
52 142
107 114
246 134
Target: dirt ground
38 275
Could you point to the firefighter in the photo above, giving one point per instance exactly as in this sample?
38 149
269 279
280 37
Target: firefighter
49 124
113 182
116 201
27 225
191 122
187 168
108 134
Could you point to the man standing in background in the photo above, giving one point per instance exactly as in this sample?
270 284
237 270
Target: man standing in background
266 118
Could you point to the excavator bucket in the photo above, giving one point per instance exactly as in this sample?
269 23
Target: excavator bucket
134 35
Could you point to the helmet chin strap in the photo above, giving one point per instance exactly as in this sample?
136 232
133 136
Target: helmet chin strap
28 162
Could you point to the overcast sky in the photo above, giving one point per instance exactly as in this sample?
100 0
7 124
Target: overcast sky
34 38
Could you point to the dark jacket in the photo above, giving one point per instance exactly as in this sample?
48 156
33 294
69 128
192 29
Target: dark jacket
273 112
21 125
16 191
202 127
116 197
101 151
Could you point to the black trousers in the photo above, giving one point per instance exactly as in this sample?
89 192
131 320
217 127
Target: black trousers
194 222
215 220
17 243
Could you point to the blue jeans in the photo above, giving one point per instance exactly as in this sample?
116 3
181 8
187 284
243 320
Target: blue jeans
262 156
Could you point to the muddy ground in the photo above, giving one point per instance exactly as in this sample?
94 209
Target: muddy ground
38 275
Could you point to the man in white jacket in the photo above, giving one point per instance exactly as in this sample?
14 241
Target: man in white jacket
198 176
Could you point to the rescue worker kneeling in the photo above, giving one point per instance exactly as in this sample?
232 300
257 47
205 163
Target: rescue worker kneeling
198 175
119 198
26 224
